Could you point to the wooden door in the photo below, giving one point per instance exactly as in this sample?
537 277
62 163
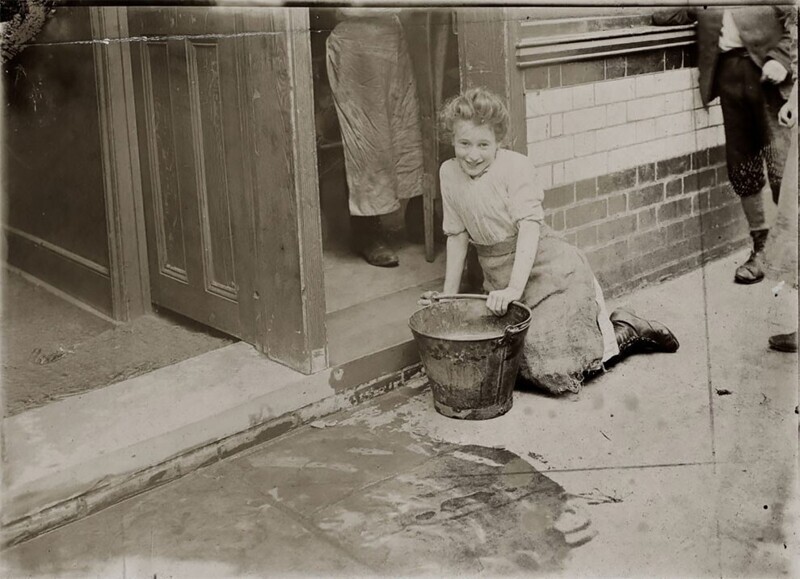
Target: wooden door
228 167
194 168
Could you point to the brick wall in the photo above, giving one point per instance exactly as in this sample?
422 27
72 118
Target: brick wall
632 165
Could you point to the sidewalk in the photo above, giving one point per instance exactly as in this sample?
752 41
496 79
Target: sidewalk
669 465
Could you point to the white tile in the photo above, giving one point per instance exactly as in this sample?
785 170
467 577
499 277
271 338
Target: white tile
585 143
544 176
584 120
550 150
538 128
706 137
616 137
673 102
694 77
676 124
548 101
720 140
583 96
646 108
612 91
697 99
585 167
645 130
556 125
558 173
688 97
662 82
715 115
700 118
616 114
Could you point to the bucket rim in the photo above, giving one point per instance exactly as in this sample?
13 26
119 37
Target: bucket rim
509 331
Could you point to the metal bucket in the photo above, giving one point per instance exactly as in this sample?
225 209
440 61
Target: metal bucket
470 355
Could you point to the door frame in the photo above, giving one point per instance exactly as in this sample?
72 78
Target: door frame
130 277
487 39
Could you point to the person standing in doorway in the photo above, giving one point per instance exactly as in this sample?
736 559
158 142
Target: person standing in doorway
373 86
747 57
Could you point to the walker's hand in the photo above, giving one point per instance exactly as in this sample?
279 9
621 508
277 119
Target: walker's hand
498 300
426 298
773 71
787 116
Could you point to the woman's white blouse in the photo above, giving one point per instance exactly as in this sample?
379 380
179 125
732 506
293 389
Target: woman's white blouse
491 206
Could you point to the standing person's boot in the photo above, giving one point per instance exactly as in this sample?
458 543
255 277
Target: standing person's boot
784 342
369 241
752 270
635 334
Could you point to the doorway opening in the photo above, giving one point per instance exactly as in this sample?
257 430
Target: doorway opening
354 289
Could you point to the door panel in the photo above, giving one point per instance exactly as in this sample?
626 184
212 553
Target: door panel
213 181
226 171
165 203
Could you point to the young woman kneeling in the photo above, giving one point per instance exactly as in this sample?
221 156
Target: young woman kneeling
491 199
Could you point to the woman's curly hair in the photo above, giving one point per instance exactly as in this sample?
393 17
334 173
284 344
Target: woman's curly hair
479 105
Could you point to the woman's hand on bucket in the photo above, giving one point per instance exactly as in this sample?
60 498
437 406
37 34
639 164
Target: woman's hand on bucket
427 298
499 300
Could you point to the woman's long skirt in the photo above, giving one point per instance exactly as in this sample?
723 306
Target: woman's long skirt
564 341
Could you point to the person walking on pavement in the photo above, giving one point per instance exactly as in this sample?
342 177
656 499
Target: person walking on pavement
748 58
781 251
375 94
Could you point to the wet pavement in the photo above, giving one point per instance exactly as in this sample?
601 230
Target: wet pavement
652 470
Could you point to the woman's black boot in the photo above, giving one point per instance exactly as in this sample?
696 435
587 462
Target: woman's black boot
635 334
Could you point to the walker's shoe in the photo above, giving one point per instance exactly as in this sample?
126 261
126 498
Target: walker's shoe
635 334
369 241
784 342
415 220
752 270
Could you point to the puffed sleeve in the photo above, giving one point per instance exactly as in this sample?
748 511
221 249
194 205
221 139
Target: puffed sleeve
785 51
525 196
451 220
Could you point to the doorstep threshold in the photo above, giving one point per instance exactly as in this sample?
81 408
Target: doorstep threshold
375 325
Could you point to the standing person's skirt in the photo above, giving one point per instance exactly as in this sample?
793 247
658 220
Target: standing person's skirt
564 341
375 93
782 244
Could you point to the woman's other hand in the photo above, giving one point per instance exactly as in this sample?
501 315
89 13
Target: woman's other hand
787 116
427 298
773 71
498 300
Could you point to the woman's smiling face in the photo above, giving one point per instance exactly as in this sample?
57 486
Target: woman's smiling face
475 145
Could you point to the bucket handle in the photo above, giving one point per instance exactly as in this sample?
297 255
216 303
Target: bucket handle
510 331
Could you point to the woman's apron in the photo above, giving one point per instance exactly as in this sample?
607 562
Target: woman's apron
564 341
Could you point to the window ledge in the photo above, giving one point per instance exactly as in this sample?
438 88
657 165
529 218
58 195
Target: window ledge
558 49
